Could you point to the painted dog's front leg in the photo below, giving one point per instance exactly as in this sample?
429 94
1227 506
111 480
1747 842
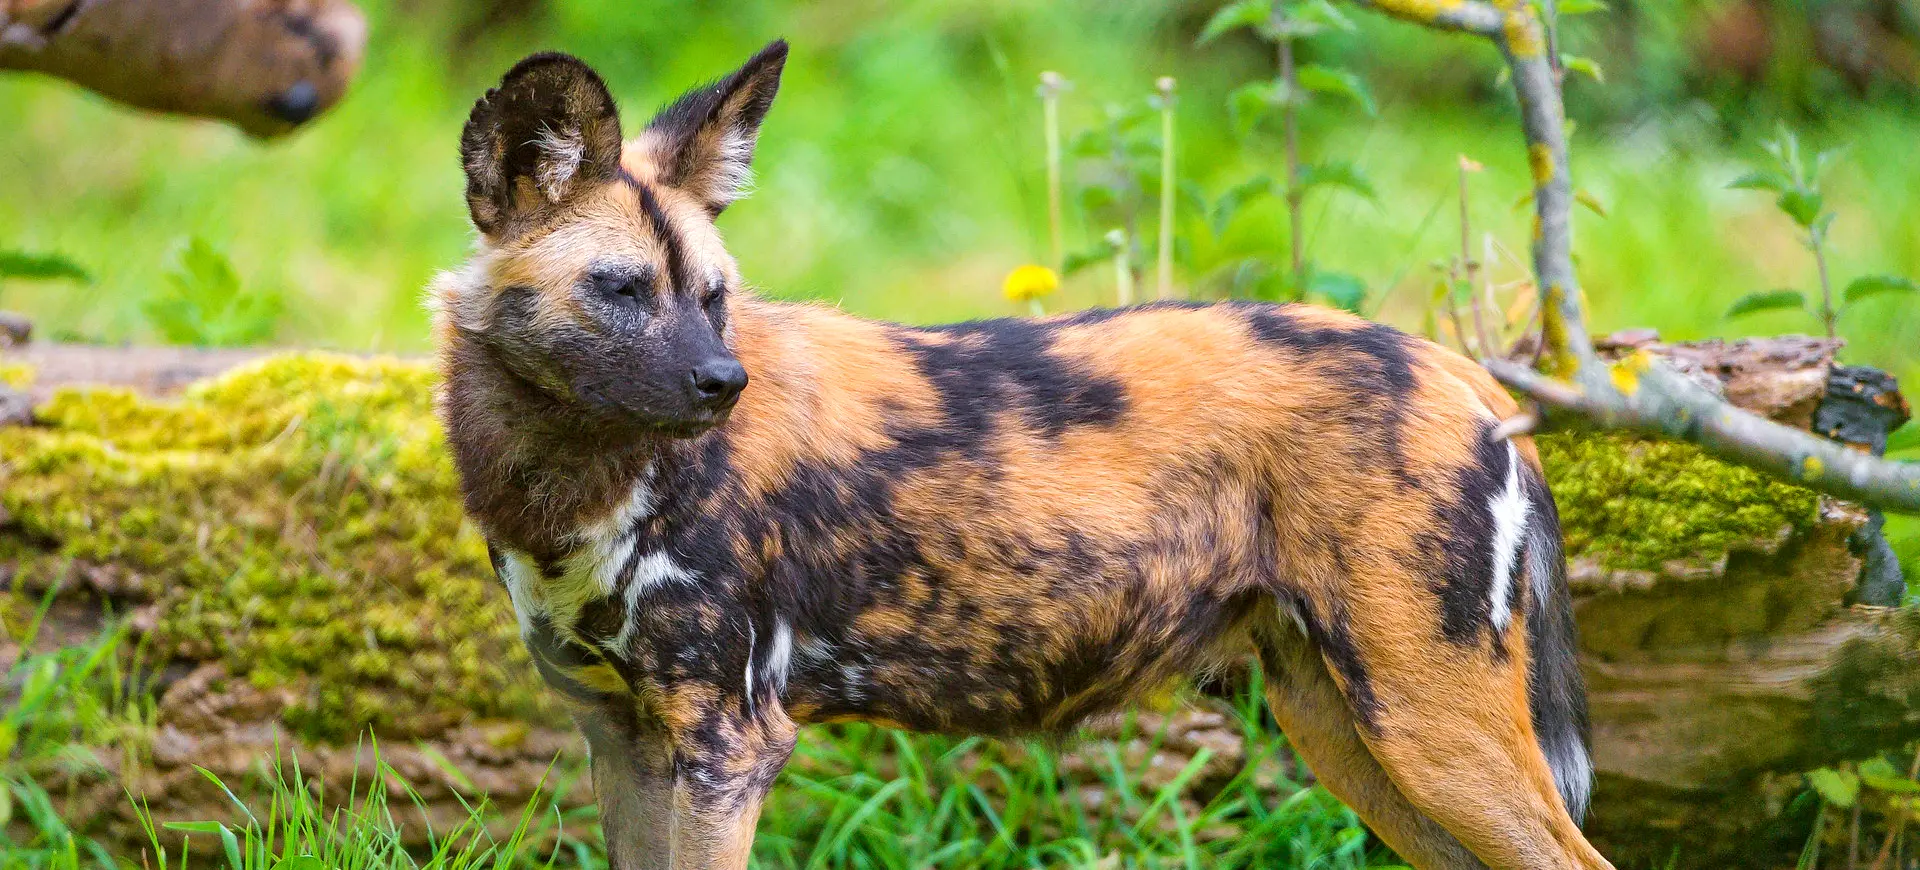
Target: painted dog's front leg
725 762
685 797
633 781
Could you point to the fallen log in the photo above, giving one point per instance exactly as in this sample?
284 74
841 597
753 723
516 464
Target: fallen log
287 540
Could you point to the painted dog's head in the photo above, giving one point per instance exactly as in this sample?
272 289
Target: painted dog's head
601 284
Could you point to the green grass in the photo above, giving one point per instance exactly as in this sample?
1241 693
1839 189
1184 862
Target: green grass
853 797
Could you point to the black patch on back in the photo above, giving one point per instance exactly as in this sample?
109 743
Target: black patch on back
1374 363
1463 577
992 365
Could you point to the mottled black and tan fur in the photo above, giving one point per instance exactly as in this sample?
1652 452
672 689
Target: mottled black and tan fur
721 518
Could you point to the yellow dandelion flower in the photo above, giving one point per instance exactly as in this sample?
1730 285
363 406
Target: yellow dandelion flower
1030 282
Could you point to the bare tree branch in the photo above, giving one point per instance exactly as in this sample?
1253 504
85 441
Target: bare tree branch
1638 393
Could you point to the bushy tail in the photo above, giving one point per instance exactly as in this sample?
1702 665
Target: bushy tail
1556 691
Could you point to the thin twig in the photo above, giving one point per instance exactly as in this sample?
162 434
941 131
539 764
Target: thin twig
1639 393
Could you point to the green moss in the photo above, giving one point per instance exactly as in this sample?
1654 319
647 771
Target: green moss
1638 503
298 520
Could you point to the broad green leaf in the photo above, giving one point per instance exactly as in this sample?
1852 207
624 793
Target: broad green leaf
1762 180
1193 198
41 267
1235 199
1585 66
1874 285
1327 80
1878 774
1249 104
1802 205
1580 7
1338 288
1771 300
1243 13
1336 174
1836 787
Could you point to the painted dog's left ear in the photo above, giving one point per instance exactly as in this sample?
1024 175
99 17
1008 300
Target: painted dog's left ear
703 143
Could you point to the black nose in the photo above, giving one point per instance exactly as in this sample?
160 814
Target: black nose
717 382
296 104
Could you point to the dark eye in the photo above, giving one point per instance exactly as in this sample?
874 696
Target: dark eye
715 292
625 286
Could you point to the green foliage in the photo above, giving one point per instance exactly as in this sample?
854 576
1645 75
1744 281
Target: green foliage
205 304
21 265
1794 177
1836 787
1264 104
1868 286
1768 300
1320 79
297 826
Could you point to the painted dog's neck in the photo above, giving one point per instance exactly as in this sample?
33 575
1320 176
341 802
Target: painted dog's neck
532 477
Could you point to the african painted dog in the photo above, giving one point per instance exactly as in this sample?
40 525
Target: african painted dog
998 527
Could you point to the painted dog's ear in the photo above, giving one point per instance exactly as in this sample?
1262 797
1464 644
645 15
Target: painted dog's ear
703 143
549 131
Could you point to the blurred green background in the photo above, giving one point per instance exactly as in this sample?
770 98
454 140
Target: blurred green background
901 171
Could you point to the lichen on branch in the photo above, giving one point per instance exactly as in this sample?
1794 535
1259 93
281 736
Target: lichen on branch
1657 400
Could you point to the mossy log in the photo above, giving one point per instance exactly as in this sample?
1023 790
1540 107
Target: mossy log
287 541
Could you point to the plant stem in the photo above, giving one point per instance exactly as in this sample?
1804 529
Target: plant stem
1051 84
1817 241
1164 289
1899 822
1290 113
1468 267
1123 271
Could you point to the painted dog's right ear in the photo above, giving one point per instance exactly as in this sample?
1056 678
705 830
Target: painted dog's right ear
547 132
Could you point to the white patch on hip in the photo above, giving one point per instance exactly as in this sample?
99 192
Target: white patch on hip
1510 510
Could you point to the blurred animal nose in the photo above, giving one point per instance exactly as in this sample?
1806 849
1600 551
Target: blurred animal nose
717 382
296 104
